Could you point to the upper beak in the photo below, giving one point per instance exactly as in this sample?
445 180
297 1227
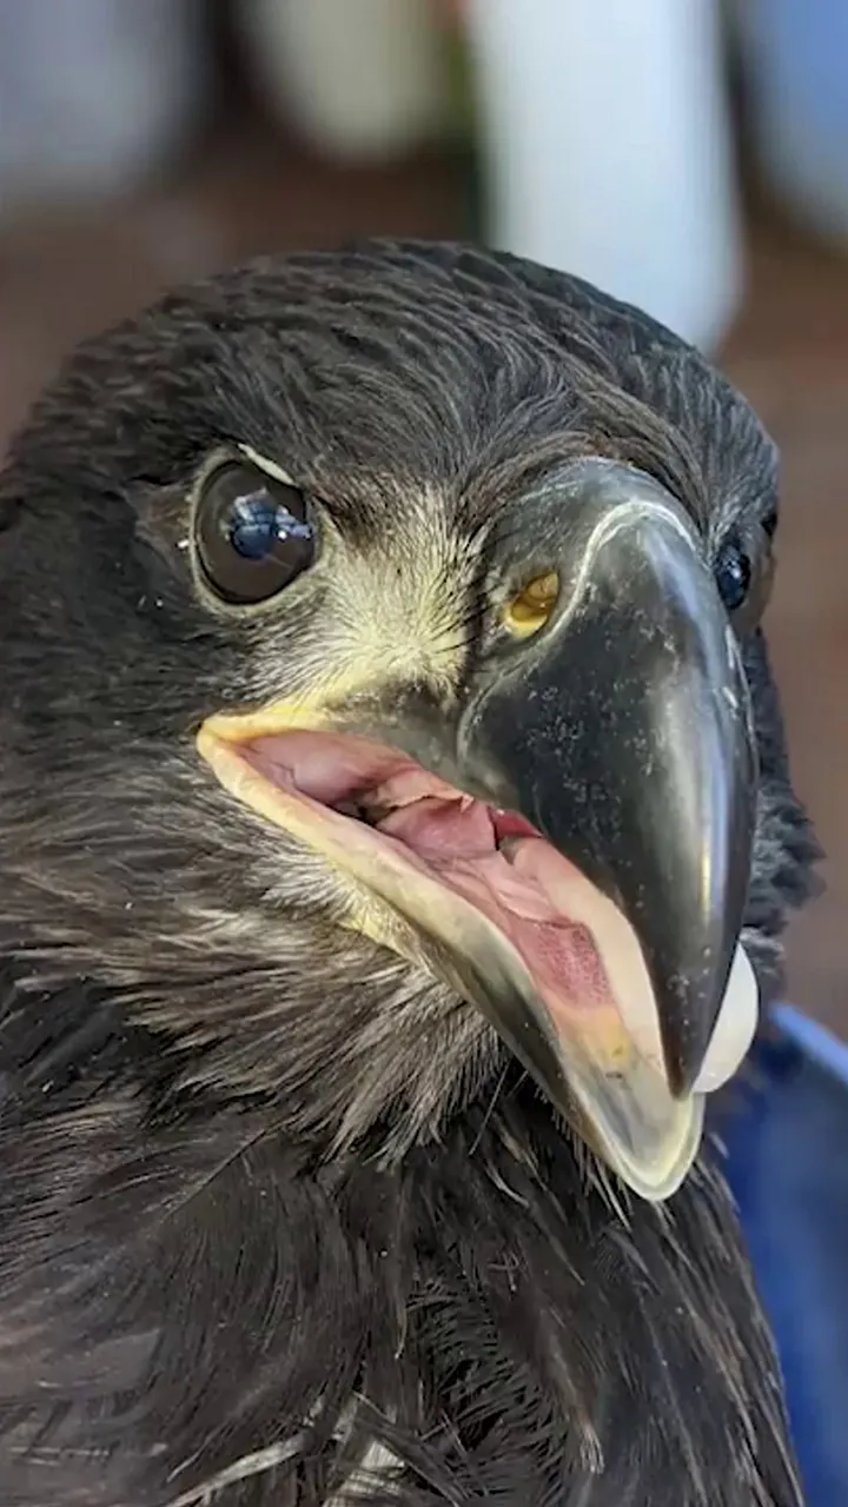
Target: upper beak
623 732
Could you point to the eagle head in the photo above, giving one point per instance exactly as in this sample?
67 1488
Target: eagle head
386 703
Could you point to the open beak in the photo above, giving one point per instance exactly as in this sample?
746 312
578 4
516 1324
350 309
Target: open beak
609 742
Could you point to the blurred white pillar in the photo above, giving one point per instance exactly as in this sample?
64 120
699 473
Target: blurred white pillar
606 139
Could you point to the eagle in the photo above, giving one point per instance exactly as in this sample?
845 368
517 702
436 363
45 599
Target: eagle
396 838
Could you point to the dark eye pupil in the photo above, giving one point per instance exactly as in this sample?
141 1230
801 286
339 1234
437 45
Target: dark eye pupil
254 533
733 576
257 524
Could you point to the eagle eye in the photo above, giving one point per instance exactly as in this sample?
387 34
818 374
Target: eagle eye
733 574
253 533
744 577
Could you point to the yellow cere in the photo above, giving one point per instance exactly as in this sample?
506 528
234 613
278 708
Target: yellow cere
530 610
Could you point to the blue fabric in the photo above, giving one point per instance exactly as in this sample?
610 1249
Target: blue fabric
802 47
787 1140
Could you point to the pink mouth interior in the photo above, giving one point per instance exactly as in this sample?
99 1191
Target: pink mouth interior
494 859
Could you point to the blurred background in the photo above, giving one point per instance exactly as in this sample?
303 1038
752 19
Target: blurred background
688 155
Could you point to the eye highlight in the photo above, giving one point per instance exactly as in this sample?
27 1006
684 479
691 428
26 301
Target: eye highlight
253 533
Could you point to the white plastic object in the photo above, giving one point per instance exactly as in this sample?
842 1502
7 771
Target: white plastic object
607 149
95 94
362 79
